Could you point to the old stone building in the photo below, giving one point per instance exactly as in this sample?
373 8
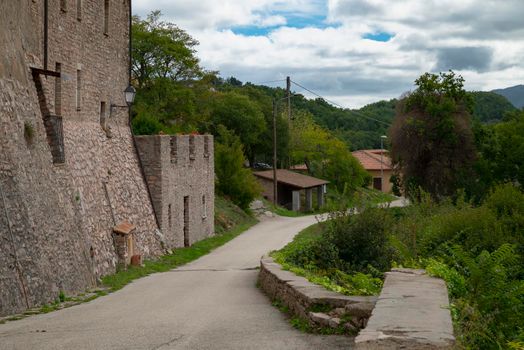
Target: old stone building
69 171
181 177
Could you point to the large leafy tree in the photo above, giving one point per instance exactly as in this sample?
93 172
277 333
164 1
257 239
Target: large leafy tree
325 155
243 116
173 91
162 50
431 137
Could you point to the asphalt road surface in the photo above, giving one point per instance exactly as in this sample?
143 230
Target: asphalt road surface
212 303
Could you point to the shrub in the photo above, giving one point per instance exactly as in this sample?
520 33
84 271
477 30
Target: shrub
146 125
455 281
362 239
476 229
492 312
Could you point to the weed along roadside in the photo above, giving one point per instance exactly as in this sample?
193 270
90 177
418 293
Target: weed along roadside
230 223
412 310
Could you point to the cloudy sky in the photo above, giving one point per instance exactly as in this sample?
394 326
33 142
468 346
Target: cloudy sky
354 51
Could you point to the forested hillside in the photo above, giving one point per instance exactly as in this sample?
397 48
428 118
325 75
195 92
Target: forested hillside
514 94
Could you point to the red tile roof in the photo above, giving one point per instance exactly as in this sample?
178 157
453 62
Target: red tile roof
370 159
290 178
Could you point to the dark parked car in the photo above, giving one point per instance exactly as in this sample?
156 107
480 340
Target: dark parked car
261 166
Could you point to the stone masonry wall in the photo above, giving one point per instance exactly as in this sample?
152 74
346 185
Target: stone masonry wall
178 167
56 219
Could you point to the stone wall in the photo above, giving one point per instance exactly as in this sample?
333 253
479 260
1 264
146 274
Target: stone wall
303 298
179 167
56 218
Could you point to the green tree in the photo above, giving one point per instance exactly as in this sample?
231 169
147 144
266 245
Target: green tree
162 50
243 116
431 137
232 179
325 155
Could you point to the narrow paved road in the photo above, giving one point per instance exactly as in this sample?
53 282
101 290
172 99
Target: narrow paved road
212 303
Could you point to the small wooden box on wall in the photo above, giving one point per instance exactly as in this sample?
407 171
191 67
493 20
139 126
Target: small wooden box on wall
125 244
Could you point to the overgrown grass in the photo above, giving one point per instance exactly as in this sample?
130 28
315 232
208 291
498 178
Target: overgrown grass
370 198
228 215
179 257
478 250
331 278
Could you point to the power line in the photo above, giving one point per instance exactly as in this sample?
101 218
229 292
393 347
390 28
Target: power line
336 104
269 82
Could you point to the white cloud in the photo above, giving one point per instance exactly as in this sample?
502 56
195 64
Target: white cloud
482 40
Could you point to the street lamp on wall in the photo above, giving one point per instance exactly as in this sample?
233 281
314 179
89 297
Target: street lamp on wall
129 96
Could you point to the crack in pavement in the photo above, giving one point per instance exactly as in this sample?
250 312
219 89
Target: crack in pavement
169 342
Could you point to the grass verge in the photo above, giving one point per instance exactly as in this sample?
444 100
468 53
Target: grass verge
179 257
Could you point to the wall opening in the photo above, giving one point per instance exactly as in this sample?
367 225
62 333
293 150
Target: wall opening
58 90
170 217
204 207
78 89
106 17
191 147
172 143
103 119
186 221
206 146
79 10
63 5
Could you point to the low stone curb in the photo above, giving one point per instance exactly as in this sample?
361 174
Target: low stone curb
301 296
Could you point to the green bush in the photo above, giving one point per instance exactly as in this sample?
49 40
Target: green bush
476 229
146 125
478 251
491 314
321 254
362 239
455 281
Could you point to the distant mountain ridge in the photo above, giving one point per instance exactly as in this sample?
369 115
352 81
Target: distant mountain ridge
515 95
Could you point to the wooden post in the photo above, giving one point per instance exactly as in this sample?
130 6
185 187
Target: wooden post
275 181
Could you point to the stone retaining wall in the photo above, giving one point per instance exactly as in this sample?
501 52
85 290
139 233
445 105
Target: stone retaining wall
412 311
302 296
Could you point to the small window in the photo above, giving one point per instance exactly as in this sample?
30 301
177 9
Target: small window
58 91
191 147
170 216
173 145
103 115
106 17
63 5
206 146
79 10
78 89
204 207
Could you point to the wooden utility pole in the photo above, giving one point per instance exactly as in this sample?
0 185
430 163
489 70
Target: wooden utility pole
275 182
288 94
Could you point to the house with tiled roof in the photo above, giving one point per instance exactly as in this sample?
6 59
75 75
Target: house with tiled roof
378 164
292 187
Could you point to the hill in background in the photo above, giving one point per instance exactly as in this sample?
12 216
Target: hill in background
362 128
514 94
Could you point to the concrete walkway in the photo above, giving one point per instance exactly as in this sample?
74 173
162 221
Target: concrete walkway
211 303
